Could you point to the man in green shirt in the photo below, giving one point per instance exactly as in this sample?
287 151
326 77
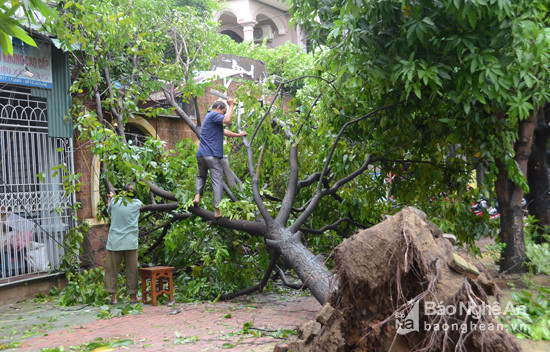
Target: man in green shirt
123 243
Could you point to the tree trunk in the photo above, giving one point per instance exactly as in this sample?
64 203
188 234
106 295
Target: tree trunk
511 227
538 173
509 196
312 271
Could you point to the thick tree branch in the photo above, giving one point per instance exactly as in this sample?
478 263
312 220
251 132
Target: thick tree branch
255 185
161 192
254 228
197 112
260 161
229 193
120 122
108 184
159 207
292 187
98 108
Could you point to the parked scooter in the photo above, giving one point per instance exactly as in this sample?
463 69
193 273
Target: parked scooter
482 205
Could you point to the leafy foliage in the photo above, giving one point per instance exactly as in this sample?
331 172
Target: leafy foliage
214 260
531 318
85 287
97 345
538 254
461 80
11 25
539 257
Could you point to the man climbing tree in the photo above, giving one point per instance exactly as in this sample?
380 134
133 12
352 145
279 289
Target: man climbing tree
210 152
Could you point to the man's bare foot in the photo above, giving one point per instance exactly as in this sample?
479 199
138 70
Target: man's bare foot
113 301
197 199
217 213
133 299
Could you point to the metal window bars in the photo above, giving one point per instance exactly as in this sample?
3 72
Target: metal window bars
35 211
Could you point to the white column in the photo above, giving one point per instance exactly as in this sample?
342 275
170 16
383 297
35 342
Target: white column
248 29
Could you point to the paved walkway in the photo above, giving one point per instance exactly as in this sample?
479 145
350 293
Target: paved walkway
190 327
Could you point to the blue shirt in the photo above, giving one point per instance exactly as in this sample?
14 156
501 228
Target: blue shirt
123 232
211 143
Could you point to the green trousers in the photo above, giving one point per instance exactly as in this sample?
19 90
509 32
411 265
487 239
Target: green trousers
112 266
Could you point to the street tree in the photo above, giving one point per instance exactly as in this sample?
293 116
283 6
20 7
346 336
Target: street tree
472 76
538 173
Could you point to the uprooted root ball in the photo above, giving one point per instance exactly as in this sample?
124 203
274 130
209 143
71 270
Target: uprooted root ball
396 292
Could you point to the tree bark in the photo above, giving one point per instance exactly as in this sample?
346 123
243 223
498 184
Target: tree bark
511 226
509 196
538 173
313 273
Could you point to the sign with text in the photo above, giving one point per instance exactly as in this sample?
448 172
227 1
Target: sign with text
28 66
244 67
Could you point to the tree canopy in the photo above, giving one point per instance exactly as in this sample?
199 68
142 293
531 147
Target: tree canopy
469 75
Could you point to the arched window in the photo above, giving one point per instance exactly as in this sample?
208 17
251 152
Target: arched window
134 134
233 35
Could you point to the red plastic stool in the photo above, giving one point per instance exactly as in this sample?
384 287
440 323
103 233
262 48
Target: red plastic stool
156 273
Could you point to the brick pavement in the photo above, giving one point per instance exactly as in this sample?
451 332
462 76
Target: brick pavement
201 327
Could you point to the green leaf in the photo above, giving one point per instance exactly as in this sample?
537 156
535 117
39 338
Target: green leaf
5 42
21 34
121 343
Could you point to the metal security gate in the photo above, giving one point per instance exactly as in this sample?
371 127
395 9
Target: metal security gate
34 208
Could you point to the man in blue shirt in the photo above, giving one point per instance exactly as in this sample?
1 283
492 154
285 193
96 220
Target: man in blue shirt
210 151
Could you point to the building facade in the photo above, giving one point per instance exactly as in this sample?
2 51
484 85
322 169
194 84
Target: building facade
257 21
36 155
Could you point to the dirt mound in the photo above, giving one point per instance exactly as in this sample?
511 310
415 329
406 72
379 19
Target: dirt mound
397 292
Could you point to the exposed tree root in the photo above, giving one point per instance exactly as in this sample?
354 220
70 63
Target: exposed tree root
397 293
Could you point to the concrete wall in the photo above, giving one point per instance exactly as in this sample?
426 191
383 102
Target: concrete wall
28 288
